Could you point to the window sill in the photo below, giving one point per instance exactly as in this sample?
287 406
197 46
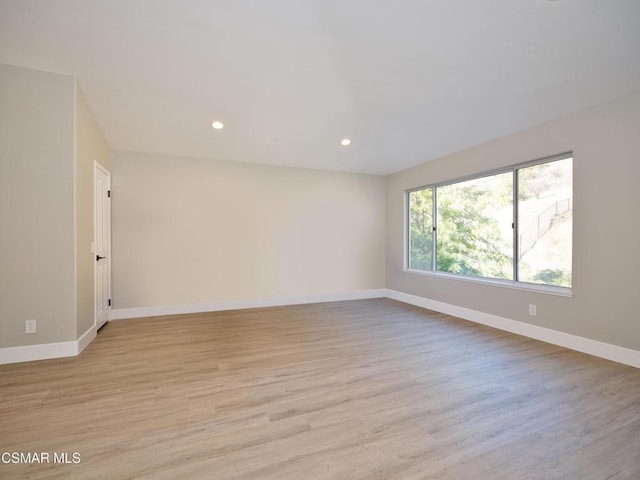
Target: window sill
528 287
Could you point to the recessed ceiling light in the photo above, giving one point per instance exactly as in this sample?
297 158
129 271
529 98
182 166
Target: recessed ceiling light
345 141
217 125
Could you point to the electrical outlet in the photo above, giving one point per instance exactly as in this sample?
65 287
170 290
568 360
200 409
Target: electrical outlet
30 326
532 309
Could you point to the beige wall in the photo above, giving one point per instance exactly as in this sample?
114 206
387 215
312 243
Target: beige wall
188 231
90 146
36 206
606 257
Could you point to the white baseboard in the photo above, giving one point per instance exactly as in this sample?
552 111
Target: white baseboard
86 338
615 353
138 312
608 351
43 351
46 351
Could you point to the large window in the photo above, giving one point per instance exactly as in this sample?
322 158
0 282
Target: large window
514 224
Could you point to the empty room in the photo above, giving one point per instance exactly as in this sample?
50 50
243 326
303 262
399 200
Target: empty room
319 239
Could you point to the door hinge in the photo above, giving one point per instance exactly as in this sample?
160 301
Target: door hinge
109 193
109 302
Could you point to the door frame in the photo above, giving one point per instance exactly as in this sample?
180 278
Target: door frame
99 167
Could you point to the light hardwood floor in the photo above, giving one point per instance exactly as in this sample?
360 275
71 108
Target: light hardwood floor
370 389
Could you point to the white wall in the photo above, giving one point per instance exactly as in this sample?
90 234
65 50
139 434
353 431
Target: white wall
190 231
606 236
36 206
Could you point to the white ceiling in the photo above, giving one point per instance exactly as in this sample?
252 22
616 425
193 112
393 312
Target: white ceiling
407 80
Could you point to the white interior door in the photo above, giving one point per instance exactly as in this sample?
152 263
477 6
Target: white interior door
102 244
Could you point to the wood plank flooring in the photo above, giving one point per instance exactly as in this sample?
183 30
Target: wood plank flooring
370 389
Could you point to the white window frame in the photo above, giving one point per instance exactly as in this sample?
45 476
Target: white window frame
515 283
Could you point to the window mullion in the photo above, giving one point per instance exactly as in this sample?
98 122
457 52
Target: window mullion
515 225
434 229
407 229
